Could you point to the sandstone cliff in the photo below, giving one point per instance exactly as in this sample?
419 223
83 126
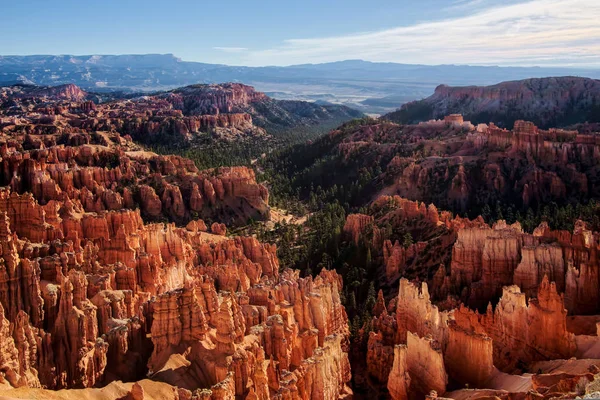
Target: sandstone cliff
93 297
95 178
543 100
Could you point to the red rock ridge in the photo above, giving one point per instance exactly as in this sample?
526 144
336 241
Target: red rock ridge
486 259
95 179
181 114
423 341
543 98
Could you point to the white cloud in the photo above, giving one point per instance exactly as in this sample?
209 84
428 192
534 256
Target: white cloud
548 32
231 49
463 5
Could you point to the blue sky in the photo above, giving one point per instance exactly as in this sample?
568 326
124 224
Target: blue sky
283 32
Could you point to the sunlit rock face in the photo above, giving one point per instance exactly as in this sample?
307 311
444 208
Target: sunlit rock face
93 298
546 101
95 288
506 306
94 178
228 112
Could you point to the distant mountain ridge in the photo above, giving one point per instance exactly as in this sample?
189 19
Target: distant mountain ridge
348 82
557 101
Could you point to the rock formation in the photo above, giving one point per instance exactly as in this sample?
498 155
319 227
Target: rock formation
466 168
96 287
399 378
486 259
525 99
87 292
100 178
108 271
228 111
514 288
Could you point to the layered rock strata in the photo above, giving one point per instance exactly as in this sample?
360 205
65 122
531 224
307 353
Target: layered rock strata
97 178
90 297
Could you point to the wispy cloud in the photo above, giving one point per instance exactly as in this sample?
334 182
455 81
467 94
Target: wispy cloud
231 49
536 32
461 5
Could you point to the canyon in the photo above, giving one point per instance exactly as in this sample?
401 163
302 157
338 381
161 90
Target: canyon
371 87
126 274
229 111
91 293
479 310
109 273
462 167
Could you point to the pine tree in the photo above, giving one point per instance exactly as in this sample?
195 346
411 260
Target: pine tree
371 298
530 220
499 214
407 240
351 302
486 213
510 217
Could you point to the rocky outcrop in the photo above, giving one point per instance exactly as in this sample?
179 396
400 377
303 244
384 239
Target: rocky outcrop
510 284
178 317
469 169
428 345
380 357
462 347
79 350
469 354
213 99
97 179
425 364
399 379
218 229
415 218
517 331
16 365
486 259
228 112
415 313
520 330
525 99
284 349
356 225
68 92
89 297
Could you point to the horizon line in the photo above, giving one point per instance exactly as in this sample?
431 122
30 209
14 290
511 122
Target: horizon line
179 59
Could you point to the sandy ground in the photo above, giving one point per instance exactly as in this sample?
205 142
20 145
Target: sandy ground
279 215
499 381
140 154
571 366
512 383
152 390
206 237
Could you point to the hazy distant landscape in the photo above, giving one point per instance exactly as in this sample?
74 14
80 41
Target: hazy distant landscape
374 88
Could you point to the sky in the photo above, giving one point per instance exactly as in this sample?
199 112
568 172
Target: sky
286 32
